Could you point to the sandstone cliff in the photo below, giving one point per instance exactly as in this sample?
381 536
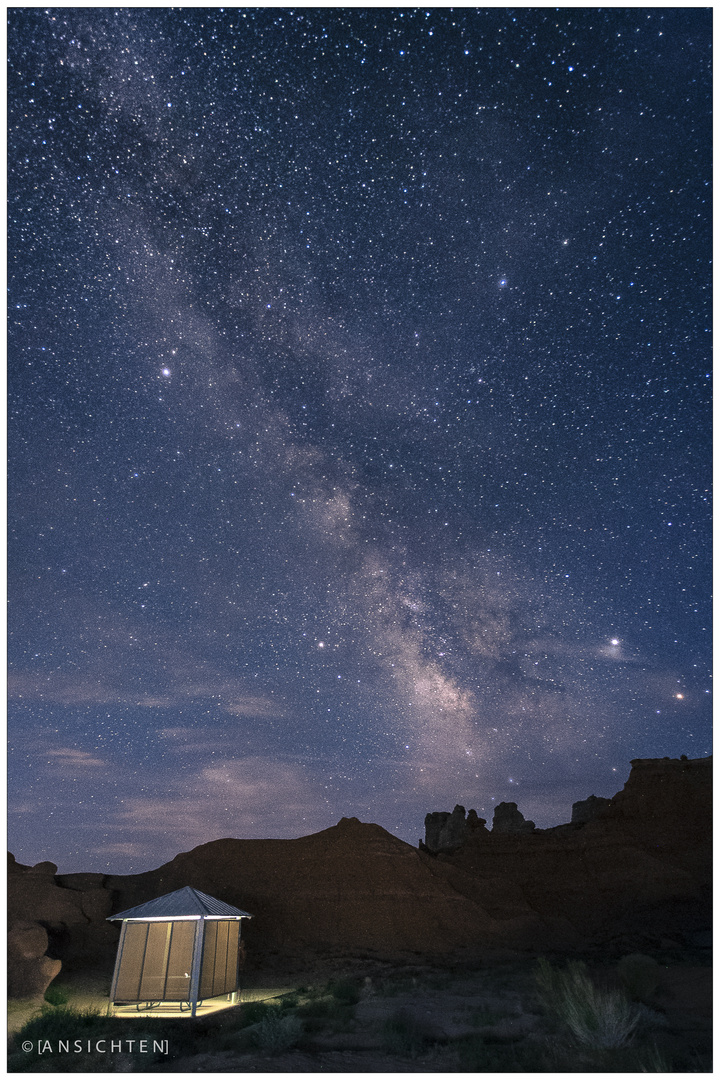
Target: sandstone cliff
639 868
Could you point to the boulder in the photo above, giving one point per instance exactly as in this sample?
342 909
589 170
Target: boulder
36 897
29 970
96 904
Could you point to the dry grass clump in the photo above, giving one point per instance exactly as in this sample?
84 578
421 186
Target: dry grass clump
598 1019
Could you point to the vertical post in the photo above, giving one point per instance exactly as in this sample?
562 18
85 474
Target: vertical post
196 965
118 961
234 997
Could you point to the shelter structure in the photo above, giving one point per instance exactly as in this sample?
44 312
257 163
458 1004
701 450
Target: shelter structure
182 947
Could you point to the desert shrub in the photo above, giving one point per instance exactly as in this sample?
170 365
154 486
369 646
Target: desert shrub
345 990
55 995
403 1035
277 1033
640 975
599 1019
61 1023
319 1007
253 1011
326 1007
478 1054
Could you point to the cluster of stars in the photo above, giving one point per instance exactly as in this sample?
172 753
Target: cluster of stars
358 383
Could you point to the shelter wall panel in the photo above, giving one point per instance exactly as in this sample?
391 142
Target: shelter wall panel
221 958
207 973
231 958
219 969
127 987
179 967
152 985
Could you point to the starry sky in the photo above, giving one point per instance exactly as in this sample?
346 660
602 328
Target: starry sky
359 416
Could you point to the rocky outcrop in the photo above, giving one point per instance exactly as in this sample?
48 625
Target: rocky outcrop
50 926
638 871
508 819
587 809
634 874
445 832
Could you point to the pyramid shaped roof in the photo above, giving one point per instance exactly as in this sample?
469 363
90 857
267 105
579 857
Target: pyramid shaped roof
186 903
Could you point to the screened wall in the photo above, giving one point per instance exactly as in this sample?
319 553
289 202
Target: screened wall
219 971
155 960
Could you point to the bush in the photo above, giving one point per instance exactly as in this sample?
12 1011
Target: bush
640 975
403 1035
598 1019
253 1011
652 1059
345 990
277 1032
326 1007
55 995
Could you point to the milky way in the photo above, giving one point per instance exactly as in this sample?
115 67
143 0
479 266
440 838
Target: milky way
359 416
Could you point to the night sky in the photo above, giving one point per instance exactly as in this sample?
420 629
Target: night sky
359 417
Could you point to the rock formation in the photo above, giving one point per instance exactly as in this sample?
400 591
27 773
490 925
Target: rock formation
50 925
508 819
635 873
352 886
444 832
587 809
29 970
639 870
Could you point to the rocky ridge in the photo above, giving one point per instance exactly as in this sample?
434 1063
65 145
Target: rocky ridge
636 870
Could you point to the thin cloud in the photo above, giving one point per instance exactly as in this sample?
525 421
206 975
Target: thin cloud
250 797
76 759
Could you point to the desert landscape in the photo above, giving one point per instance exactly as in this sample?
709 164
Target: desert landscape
584 947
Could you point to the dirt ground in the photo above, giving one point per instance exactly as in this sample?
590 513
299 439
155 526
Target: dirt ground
369 1015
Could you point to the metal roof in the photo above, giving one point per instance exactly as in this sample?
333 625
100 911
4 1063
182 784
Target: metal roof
183 903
